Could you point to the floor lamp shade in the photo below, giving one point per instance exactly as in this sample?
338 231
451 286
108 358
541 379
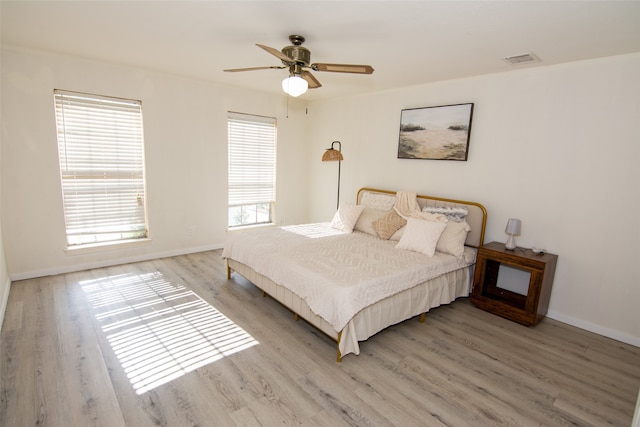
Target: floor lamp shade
333 155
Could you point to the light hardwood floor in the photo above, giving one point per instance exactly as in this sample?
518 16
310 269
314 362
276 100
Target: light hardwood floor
172 342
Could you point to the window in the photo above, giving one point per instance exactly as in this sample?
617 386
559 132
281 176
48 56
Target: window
101 151
252 166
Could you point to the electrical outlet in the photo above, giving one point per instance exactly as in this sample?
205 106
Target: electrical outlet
191 230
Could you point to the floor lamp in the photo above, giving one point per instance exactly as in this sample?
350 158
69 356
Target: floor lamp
333 155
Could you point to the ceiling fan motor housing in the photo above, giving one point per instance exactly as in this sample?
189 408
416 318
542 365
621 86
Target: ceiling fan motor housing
298 54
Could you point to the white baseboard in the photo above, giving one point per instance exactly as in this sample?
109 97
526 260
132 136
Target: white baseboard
597 329
107 263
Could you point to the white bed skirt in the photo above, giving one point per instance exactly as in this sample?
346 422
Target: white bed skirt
372 319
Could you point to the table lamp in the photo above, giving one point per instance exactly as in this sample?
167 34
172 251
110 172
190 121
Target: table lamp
512 229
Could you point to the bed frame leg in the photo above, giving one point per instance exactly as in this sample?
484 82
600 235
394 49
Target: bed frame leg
264 294
339 356
422 317
296 317
228 272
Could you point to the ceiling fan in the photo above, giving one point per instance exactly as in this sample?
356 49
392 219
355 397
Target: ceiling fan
298 60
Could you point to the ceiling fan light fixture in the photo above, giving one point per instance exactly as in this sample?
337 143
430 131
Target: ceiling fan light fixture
295 85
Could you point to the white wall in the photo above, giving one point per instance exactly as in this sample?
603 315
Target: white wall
186 158
558 147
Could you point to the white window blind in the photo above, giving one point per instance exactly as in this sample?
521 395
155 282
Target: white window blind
101 151
252 158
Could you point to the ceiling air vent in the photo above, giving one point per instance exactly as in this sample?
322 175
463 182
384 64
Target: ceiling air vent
526 58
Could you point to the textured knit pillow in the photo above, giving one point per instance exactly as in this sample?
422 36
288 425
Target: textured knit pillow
346 217
388 224
421 236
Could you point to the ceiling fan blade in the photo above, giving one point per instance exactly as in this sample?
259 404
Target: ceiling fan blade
276 52
343 68
233 70
313 82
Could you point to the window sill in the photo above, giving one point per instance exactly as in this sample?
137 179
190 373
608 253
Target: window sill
107 246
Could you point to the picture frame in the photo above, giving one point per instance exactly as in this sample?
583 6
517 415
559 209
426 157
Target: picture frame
435 133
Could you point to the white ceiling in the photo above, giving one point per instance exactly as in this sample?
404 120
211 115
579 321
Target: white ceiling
407 42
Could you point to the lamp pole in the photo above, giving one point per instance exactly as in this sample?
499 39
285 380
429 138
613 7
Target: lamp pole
339 162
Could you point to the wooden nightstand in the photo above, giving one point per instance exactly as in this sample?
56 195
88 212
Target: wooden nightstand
526 309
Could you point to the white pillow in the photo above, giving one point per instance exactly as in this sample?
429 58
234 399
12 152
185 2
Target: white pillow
398 234
421 236
378 200
366 219
452 239
346 217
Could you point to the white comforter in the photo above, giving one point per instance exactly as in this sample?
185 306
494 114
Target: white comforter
336 273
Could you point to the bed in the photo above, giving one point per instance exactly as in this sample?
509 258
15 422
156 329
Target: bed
368 268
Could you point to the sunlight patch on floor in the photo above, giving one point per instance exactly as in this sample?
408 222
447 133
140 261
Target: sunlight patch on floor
160 330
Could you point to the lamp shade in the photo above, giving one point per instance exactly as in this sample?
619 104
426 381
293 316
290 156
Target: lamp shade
295 85
332 155
513 227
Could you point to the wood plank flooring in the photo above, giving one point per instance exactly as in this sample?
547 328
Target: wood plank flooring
172 342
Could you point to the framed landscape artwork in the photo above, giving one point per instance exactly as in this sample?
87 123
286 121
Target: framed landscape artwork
436 133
